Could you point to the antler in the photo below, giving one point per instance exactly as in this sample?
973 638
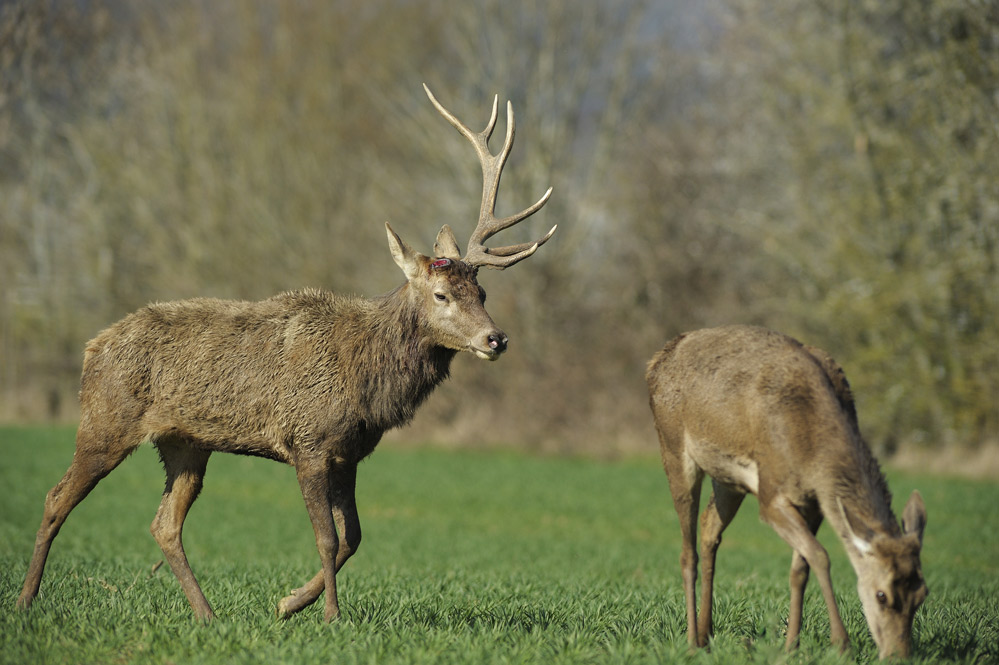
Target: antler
478 254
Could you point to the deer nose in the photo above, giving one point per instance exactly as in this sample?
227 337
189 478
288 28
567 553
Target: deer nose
498 341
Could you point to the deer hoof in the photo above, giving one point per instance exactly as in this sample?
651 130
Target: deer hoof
283 610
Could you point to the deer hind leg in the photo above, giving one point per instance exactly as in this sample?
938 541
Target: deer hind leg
685 485
799 579
788 522
722 507
92 461
185 472
342 483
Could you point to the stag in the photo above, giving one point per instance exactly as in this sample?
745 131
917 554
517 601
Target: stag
762 414
308 378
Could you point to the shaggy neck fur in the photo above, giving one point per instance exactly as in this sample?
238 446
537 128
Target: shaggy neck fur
395 362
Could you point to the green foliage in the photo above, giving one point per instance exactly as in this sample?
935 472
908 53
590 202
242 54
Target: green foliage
876 127
826 169
467 558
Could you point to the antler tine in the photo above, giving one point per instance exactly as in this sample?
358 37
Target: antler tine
526 248
492 168
473 137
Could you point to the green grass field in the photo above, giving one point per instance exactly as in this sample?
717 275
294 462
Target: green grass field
467 558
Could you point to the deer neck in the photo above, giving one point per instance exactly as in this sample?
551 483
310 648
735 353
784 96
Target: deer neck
857 505
409 365
400 323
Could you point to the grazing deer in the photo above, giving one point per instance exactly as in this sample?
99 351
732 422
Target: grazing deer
307 378
762 414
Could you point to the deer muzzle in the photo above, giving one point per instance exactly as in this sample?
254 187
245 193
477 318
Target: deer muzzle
498 341
495 344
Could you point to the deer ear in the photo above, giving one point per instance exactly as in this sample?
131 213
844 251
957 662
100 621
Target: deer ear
405 256
914 516
446 246
860 541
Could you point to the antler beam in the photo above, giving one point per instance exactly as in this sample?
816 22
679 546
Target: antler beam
477 254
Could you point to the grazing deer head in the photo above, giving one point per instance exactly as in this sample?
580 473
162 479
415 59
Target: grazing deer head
889 575
761 414
307 377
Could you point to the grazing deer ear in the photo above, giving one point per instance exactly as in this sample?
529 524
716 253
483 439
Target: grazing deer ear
446 246
405 256
862 543
914 516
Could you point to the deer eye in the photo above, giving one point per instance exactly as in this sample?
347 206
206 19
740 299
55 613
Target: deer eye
882 598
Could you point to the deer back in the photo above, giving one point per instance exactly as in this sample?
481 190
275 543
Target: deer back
756 402
749 394
260 377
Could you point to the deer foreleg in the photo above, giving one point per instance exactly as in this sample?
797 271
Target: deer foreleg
798 581
791 526
343 479
302 597
344 508
799 578
314 480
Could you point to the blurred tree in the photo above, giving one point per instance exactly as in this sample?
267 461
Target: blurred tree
53 65
826 169
924 91
875 123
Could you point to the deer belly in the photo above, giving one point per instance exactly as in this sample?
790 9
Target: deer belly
723 465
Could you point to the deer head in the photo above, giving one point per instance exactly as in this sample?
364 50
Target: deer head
450 299
890 579
445 286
